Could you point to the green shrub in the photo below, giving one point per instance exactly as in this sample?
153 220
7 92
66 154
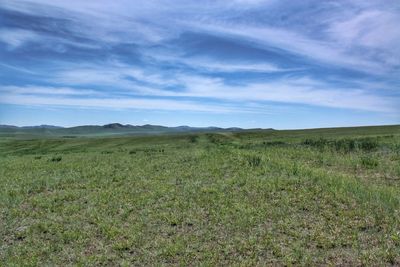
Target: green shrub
56 159
320 143
368 144
193 138
295 169
274 143
253 160
369 162
343 145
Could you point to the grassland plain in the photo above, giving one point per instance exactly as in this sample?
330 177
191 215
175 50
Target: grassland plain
312 197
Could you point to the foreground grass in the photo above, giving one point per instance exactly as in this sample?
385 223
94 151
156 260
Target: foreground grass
286 198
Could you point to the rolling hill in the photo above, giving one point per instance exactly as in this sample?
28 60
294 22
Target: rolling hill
103 130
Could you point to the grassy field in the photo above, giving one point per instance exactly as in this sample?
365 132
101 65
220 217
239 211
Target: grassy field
312 197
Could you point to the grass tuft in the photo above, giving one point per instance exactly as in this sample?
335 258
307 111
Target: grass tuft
253 160
369 162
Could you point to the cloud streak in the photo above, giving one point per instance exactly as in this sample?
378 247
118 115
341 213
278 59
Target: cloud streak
119 103
17 37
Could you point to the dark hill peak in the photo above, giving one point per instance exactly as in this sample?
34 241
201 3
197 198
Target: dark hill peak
115 126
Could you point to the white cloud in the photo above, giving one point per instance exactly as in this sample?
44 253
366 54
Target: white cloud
154 22
112 75
236 67
373 29
286 89
290 90
16 37
214 65
265 37
118 103
39 90
19 69
89 76
117 22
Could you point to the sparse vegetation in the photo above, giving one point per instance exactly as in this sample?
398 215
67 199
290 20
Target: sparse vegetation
316 197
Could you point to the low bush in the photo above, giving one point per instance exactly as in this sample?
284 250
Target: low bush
56 159
368 144
253 160
320 143
274 143
343 145
369 162
193 138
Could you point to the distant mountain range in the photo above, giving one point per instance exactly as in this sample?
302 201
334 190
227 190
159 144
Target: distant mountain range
108 129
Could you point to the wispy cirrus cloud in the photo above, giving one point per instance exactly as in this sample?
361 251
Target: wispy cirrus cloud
285 89
122 103
17 37
371 29
209 64
319 50
45 90
134 25
187 54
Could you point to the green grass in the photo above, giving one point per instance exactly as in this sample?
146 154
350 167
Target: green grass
313 197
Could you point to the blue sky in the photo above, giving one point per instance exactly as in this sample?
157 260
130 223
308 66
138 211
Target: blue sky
247 63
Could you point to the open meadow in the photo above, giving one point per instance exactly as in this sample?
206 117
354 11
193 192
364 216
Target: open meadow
304 197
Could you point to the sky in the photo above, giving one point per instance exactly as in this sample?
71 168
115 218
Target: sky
280 64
